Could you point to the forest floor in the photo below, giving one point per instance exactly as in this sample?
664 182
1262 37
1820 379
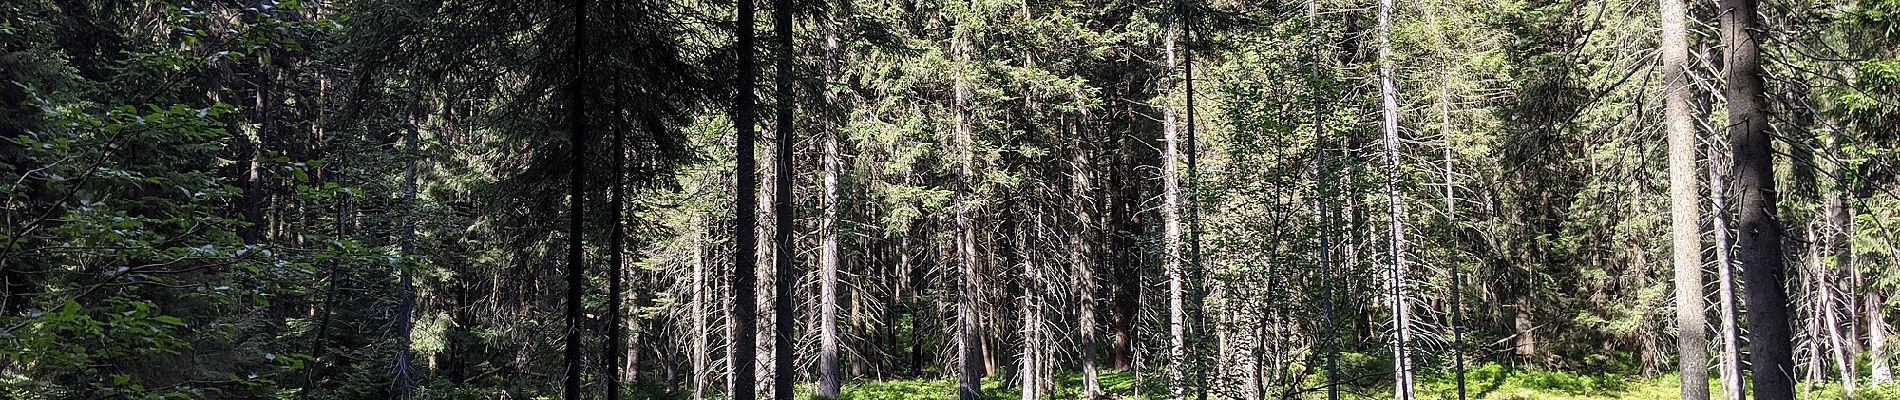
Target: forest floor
1488 382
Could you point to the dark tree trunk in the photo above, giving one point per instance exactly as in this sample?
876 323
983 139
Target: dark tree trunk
742 344
406 308
784 277
339 175
1329 342
577 136
616 322
1771 358
1197 274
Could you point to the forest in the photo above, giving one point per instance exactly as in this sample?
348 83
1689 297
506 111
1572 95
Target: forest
936 199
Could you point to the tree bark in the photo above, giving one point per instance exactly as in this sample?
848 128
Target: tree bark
405 371
969 340
1451 215
1725 277
1171 224
1081 256
1878 350
1843 363
1032 363
741 340
1839 224
830 369
1321 177
1197 274
785 275
1816 284
616 322
702 332
577 196
1401 305
1771 355
334 274
1685 217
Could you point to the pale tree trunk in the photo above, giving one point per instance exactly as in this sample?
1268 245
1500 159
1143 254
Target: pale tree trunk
1879 350
1824 319
1815 285
1397 281
701 333
1685 218
1080 256
765 284
1771 355
1451 209
1171 226
1032 361
829 366
1731 365
1839 224
1842 362
969 344
1451 214
1523 330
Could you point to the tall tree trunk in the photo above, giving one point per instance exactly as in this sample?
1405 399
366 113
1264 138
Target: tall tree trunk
1725 277
702 332
616 322
1032 361
1816 285
1839 225
577 195
742 336
1451 215
1197 274
1824 319
405 371
1771 354
1685 217
1321 177
1032 374
1878 350
766 295
1171 224
969 340
784 276
1081 256
334 274
1842 361
1523 329
830 368
1401 305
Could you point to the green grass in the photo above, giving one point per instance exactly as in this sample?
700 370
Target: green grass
1496 382
1068 386
1486 382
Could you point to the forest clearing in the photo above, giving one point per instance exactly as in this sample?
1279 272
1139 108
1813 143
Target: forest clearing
949 199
